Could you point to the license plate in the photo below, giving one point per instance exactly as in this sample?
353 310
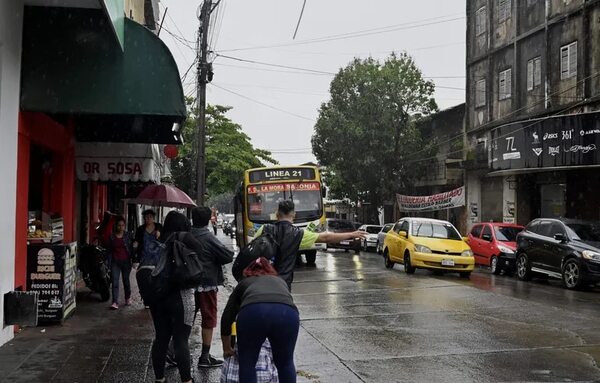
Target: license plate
447 262
345 243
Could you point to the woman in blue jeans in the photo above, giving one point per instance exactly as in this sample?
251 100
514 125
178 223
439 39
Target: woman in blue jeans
119 246
265 309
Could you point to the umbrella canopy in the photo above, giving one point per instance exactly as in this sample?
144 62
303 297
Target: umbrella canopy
163 195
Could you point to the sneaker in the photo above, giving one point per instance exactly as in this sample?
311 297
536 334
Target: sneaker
114 306
128 302
209 361
171 362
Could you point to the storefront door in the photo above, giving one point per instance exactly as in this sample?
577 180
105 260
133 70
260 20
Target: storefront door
553 200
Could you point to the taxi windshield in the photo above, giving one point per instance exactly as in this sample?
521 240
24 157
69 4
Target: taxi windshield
435 230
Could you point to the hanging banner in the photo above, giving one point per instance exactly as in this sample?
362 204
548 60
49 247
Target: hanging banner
447 200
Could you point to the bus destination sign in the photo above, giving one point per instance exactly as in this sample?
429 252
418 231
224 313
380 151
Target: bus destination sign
279 174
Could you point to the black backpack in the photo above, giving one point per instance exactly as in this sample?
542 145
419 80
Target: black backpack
179 267
265 245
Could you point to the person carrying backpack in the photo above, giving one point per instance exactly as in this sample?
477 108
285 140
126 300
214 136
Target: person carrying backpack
288 239
173 311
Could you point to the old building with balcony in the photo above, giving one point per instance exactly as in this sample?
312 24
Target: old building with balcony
532 109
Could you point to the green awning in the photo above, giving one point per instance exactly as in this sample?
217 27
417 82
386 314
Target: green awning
72 66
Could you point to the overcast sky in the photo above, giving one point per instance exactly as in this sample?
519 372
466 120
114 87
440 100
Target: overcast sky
432 31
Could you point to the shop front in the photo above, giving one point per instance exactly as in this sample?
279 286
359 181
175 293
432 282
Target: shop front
90 106
552 167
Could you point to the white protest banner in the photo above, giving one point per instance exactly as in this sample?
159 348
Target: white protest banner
447 200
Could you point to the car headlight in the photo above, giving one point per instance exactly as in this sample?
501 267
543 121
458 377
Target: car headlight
591 255
505 250
422 249
467 253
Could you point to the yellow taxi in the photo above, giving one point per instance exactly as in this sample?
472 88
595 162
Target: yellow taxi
424 243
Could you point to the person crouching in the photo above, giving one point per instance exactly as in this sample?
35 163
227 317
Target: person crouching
265 309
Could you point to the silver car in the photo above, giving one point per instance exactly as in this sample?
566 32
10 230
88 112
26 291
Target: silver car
370 241
381 236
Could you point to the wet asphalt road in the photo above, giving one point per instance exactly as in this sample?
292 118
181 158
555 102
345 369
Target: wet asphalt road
364 323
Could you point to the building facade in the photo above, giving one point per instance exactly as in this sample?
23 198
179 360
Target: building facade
532 109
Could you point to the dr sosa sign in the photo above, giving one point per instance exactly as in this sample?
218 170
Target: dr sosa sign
550 142
115 169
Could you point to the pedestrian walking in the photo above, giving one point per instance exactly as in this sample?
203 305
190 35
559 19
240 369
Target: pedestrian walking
173 315
264 308
145 235
291 239
216 255
120 251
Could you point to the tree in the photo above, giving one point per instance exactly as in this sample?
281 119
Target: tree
365 132
229 152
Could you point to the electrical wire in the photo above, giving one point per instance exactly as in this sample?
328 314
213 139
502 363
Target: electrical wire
349 35
263 104
299 19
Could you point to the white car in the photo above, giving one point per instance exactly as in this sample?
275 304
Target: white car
370 241
381 236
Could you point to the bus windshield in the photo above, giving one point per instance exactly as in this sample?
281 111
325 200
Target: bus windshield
263 200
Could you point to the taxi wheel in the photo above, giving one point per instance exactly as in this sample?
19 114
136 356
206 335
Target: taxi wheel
388 263
408 268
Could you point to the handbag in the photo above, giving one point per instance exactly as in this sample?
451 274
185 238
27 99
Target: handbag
265 368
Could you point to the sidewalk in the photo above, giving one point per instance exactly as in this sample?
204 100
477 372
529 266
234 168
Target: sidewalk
96 344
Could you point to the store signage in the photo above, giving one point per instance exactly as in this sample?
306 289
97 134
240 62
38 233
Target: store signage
287 187
447 200
51 273
115 169
278 174
555 141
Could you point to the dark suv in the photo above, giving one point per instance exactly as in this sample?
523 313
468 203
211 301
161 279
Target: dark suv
560 248
342 226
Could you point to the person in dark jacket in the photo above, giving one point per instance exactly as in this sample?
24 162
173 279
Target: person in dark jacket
265 309
120 252
173 316
145 234
215 256
291 239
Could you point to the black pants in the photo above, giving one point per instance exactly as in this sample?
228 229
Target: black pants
169 322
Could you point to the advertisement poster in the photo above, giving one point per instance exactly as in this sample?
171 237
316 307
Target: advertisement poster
447 200
51 273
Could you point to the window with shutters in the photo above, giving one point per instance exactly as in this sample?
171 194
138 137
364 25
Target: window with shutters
534 73
504 84
480 93
568 61
480 21
504 10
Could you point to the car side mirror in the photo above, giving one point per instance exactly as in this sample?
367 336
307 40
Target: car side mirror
323 192
560 237
487 237
465 239
403 234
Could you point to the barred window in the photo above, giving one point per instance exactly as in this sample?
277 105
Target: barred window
534 73
504 10
568 61
480 21
504 84
480 93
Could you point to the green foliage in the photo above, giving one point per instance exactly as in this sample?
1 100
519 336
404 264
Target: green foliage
229 152
365 132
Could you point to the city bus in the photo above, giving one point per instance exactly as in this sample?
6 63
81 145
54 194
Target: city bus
261 191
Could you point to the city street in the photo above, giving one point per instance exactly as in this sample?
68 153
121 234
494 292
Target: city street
362 322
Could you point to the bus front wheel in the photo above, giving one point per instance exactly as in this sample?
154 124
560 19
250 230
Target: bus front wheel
311 257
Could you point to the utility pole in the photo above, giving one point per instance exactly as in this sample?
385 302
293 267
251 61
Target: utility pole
202 72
